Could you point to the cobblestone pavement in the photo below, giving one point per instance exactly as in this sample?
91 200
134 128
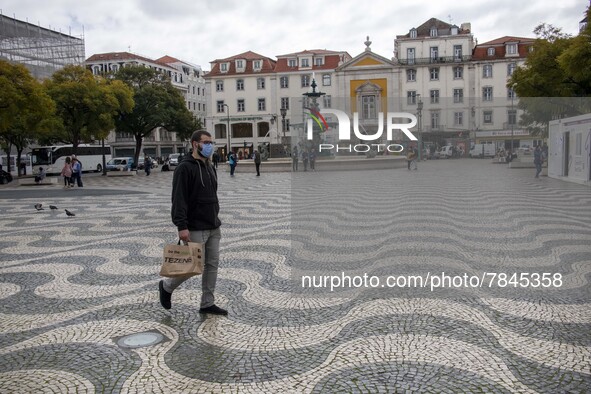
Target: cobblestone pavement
72 287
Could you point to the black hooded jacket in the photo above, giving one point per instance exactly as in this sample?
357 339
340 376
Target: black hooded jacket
195 203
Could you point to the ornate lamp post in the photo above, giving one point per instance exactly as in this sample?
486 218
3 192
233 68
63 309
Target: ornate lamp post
513 114
228 130
314 96
420 116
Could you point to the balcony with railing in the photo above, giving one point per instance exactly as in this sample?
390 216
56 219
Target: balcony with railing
435 60
430 128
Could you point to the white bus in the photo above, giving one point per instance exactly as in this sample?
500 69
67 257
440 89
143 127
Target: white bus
52 158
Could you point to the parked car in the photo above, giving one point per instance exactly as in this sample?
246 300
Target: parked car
5 177
174 159
445 152
482 150
140 163
120 164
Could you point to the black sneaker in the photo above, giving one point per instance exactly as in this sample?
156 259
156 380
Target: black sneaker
214 310
164 296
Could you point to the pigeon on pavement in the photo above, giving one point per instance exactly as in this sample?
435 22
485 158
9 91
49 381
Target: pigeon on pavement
39 207
52 207
70 213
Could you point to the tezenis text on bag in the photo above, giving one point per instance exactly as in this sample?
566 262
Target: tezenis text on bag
178 260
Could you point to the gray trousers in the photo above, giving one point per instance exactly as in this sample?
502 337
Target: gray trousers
211 240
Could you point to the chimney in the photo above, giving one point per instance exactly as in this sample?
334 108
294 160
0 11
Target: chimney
466 26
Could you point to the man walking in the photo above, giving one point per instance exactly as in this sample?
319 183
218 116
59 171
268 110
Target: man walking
257 161
538 160
232 160
295 158
195 209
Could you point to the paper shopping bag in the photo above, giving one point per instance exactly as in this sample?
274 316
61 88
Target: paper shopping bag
182 260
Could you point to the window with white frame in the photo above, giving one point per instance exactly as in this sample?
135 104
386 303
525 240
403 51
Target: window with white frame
457 52
240 105
318 61
435 120
284 82
219 86
511 68
487 117
240 84
458 95
284 102
260 83
490 51
411 75
458 118
262 104
413 33
511 49
410 55
411 97
256 64
368 107
434 73
305 80
458 72
434 95
291 63
224 67
487 93
220 106
434 54
326 80
327 101
305 62
433 31
511 94
487 71
239 63
512 117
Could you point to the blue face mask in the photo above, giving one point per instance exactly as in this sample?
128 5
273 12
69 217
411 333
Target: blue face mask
206 150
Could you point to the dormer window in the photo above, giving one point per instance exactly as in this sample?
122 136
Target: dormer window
413 33
433 32
291 62
305 63
490 51
224 67
239 64
256 64
511 49
454 30
318 61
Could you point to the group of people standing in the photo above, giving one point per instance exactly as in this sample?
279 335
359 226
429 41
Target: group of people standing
307 156
72 172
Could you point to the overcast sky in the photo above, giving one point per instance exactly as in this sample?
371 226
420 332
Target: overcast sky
200 31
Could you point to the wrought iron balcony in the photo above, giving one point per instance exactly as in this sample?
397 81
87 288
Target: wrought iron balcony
435 60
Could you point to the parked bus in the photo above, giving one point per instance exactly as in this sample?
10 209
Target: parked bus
52 158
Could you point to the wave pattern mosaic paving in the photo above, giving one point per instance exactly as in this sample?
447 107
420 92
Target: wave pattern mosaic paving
73 289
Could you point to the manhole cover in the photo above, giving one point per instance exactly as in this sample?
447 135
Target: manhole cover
141 339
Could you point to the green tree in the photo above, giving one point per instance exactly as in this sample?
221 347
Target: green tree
157 104
86 104
554 78
27 113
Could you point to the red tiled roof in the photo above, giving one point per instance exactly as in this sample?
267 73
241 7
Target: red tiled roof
117 56
330 63
167 60
268 65
481 50
311 51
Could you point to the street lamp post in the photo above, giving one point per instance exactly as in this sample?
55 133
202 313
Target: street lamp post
420 116
512 120
228 130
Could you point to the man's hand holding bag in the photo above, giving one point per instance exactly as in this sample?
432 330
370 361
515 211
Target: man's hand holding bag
182 260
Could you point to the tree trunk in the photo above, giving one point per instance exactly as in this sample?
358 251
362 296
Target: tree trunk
138 148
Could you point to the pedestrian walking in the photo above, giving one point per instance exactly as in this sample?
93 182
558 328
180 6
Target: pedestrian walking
233 161
195 209
147 165
257 161
294 158
216 159
538 160
305 160
76 171
67 173
411 158
312 159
